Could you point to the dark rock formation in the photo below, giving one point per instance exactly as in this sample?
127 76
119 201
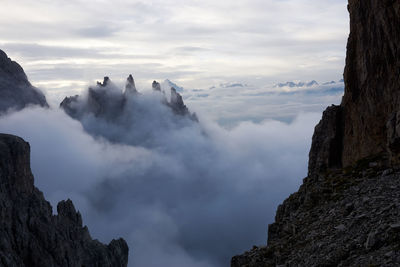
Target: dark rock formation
326 148
130 87
156 86
372 85
15 89
372 78
178 107
347 211
30 234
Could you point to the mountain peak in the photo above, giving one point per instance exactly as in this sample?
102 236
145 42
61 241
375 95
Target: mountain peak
15 89
130 85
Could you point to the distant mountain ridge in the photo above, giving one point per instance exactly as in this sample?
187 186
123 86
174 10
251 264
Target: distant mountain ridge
298 84
304 84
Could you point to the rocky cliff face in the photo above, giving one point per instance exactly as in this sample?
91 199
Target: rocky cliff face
372 81
30 234
15 89
346 213
367 120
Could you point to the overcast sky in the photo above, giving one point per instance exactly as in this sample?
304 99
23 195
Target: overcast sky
65 45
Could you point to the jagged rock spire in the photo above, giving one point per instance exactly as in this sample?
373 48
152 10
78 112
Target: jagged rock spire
156 86
130 85
106 81
176 99
179 107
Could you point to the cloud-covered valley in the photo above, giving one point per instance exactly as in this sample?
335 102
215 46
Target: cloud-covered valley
181 192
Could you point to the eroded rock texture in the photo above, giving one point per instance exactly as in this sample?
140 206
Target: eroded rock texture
347 211
372 86
372 79
30 235
327 141
15 89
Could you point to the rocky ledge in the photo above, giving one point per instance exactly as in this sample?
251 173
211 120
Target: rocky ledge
30 234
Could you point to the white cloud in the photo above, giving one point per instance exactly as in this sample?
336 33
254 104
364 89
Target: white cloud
194 200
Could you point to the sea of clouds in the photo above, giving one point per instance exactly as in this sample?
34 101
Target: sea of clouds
181 193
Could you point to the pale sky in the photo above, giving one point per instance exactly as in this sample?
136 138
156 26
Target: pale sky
65 45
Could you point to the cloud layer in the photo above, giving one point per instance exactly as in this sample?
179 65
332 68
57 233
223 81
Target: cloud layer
198 197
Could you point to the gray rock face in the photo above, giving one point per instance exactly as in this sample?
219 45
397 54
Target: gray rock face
370 105
30 235
346 213
372 79
178 107
15 89
326 148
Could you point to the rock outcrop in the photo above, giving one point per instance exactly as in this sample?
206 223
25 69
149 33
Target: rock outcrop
30 234
372 88
346 213
372 79
15 89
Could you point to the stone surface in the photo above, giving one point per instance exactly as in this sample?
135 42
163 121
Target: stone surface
370 107
30 235
15 89
372 80
326 148
346 211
